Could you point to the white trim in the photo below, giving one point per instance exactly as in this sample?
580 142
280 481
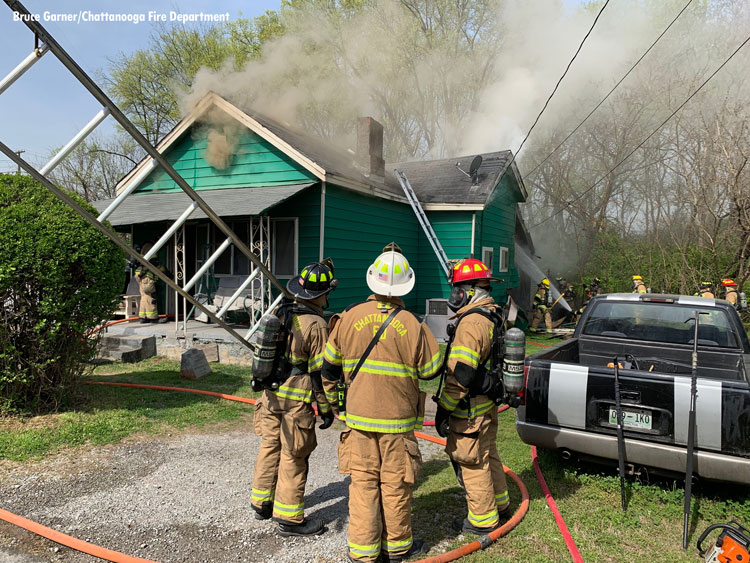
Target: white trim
295 244
503 252
473 232
453 206
322 241
491 250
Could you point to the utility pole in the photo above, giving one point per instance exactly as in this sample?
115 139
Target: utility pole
19 153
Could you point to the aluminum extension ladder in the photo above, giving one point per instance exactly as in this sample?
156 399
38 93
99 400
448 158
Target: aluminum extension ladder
44 42
425 222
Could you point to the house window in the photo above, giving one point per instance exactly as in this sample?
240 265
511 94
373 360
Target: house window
487 255
284 247
503 259
232 261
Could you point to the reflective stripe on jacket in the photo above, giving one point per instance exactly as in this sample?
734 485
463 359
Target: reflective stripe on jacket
384 395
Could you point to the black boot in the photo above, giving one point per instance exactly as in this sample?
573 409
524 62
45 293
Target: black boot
143 320
463 525
265 510
304 528
417 548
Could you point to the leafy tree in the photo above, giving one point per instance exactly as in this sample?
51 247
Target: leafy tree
59 278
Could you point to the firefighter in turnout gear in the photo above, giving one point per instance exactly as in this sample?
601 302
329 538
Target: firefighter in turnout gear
638 285
148 311
541 305
467 412
284 416
706 289
730 291
375 356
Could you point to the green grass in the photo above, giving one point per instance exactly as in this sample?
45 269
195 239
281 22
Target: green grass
105 415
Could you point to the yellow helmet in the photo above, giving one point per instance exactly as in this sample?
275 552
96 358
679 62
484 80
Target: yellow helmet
637 278
545 283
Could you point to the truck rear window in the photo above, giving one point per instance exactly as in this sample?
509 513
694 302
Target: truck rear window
659 322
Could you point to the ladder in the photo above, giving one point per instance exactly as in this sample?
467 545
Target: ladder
44 43
425 222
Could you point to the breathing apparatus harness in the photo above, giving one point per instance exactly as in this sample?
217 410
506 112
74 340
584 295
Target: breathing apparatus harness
272 344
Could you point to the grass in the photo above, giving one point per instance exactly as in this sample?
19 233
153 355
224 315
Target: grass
587 496
104 415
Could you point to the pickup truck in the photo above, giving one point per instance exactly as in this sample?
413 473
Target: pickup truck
568 401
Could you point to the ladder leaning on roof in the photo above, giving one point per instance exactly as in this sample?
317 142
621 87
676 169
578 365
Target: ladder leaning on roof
48 44
424 221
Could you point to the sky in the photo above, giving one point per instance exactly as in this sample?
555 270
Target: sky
46 106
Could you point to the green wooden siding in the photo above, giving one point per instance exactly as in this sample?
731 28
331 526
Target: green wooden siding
453 229
255 163
496 228
357 227
306 207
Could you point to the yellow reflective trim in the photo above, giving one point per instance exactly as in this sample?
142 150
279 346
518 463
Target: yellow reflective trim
314 363
474 411
381 368
398 545
386 426
464 353
332 355
447 402
304 395
397 269
484 520
432 366
364 550
313 278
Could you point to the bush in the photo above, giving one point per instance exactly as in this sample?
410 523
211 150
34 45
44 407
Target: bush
59 278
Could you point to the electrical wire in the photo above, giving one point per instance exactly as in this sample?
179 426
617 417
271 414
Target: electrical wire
610 92
596 19
671 115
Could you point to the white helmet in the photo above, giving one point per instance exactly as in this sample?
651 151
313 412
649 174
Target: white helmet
390 274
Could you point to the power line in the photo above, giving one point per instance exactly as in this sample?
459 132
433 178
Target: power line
596 19
610 92
690 97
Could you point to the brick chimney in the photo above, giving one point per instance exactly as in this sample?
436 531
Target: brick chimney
370 147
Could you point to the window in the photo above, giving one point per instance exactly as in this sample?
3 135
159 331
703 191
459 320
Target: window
488 254
502 265
284 247
232 261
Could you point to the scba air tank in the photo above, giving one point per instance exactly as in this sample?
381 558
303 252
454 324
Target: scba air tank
515 353
264 344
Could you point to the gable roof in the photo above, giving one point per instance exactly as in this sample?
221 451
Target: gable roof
437 183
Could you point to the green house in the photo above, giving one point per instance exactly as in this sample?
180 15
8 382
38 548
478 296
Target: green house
295 199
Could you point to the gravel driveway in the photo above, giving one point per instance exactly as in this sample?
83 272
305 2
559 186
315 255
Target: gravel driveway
174 498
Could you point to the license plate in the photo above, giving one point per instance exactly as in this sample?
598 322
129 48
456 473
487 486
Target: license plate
632 418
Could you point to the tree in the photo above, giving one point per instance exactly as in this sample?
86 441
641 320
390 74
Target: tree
59 278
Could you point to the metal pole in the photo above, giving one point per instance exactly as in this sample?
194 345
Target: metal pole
133 131
114 237
237 293
690 438
176 225
24 65
620 436
134 184
250 332
73 143
213 258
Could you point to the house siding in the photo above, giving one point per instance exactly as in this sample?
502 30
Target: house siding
255 163
305 207
357 227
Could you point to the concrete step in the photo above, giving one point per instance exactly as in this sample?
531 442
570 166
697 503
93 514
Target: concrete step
128 348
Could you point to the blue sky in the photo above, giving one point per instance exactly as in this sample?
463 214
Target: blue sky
47 106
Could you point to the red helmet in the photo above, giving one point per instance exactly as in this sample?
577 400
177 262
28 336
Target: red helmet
469 270
728 282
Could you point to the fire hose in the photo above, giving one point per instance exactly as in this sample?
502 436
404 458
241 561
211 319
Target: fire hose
481 543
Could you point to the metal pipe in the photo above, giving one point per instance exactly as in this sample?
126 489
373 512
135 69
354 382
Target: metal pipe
73 143
176 225
39 30
114 237
24 65
252 330
120 198
237 293
213 258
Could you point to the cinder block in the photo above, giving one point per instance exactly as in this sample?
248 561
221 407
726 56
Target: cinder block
193 364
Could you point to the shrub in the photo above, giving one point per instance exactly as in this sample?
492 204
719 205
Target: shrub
59 278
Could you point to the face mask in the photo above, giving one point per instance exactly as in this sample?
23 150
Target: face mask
460 296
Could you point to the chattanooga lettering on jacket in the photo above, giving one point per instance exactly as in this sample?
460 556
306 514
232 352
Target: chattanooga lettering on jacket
379 318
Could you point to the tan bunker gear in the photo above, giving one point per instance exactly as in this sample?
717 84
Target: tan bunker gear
286 421
471 441
383 408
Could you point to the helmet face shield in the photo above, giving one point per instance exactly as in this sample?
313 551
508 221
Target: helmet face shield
460 296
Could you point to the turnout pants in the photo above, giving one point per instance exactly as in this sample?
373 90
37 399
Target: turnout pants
287 428
383 468
471 444
147 307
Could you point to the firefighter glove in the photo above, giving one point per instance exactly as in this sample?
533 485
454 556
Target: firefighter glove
442 417
327 418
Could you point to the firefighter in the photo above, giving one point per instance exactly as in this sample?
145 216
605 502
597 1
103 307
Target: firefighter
706 289
285 417
541 310
638 285
148 311
466 412
376 353
730 291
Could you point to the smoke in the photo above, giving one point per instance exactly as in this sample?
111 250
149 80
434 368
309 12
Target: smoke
222 135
